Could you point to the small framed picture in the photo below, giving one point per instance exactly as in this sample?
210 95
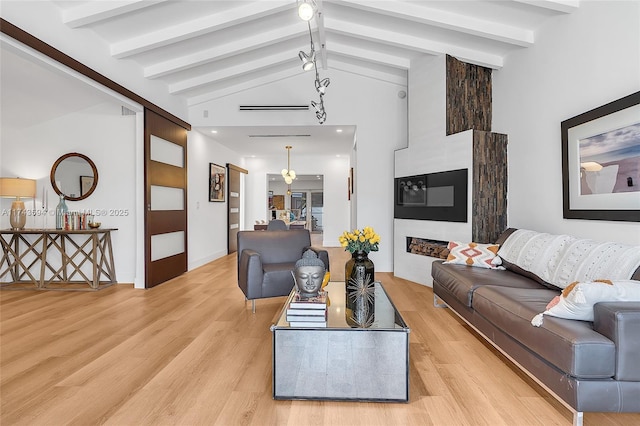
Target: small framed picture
217 177
86 183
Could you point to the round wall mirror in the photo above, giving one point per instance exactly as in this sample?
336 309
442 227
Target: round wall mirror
75 176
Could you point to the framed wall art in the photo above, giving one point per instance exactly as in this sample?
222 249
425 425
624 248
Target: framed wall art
601 162
217 177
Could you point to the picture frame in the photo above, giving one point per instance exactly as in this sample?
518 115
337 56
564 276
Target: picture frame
86 183
217 178
601 162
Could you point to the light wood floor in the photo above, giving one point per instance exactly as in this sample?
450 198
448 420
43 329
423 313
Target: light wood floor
190 352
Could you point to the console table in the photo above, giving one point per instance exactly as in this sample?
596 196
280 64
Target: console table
47 258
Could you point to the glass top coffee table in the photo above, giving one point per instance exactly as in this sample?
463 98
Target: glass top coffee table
343 360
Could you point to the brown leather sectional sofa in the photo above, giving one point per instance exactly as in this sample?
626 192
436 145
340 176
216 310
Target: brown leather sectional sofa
589 366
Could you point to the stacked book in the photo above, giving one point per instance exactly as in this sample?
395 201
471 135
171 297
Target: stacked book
308 312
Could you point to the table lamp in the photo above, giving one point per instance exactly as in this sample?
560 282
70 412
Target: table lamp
17 188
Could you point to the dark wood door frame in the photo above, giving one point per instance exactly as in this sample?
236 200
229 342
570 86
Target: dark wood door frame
234 196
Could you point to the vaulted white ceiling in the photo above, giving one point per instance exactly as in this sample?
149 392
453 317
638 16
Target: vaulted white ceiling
201 49
205 49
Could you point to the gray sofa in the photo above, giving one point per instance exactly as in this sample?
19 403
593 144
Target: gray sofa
266 259
589 366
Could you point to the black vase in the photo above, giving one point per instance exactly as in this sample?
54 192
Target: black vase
359 290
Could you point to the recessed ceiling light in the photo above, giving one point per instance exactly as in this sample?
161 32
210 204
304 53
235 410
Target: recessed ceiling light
339 130
214 131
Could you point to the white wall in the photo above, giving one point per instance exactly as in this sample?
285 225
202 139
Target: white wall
579 62
109 140
207 221
372 105
379 115
42 20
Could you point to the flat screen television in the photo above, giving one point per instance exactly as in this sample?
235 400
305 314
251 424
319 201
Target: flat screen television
440 196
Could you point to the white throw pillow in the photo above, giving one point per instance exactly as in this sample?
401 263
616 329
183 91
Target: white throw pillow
560 260
577 300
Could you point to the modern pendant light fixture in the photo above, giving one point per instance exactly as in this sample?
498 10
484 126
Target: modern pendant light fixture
288 174
321 85
307 9
321 114
308 59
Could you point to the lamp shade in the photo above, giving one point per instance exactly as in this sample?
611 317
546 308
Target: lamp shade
321 85
307 60
17 188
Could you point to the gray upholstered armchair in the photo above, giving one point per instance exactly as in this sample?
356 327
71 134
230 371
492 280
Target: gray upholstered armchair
266 259
277 225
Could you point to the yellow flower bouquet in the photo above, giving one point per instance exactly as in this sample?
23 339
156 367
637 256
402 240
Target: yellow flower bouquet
365 240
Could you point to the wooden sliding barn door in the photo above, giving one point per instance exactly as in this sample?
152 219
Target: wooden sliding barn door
234 174
165 168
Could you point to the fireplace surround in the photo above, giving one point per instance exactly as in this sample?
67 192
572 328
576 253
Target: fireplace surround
453 135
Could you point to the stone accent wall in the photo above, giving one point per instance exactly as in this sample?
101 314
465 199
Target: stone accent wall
468 97
469 107
489 194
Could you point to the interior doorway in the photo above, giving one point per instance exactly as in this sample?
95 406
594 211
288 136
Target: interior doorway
297 204
317 205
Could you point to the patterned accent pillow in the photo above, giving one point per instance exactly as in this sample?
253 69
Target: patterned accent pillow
474 254
577 299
